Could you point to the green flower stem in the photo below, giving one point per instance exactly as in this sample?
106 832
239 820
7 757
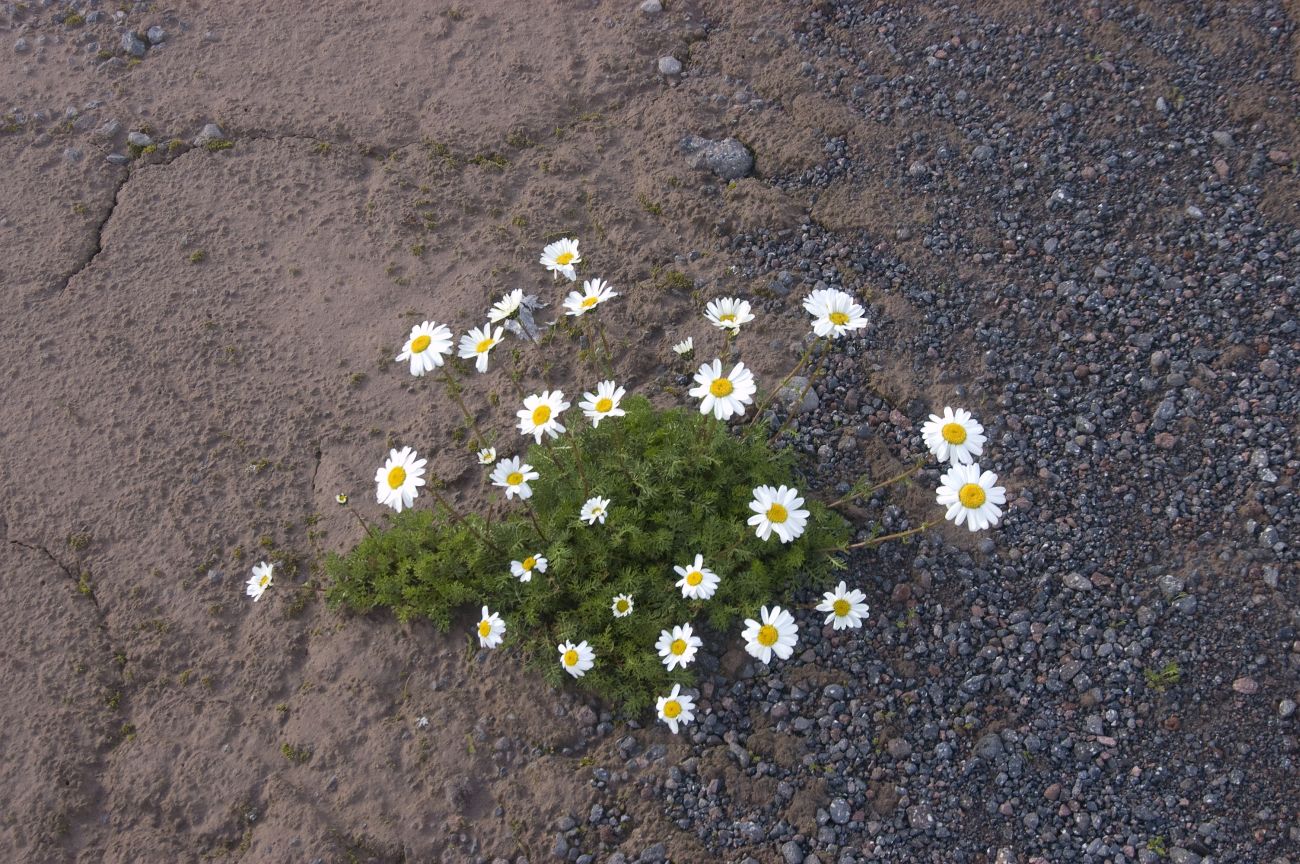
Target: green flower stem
537 526
363 522
876 541
577 457
858 490
604 343
453 388
794 407
457 517
773 394
727 336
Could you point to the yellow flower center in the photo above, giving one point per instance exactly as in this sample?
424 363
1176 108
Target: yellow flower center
514 478
839 319
419 343
776 514
727 317
972 495
588 302
678 646
564 258
541 414
954 433
767 635
484 628
672 708
604 405
695 577
396 477
530 562
622 606
484 345
265 580
721 387
571 657
841 607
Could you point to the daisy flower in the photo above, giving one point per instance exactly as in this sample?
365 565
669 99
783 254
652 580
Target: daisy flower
594 292
398 480
603 403
428 341
490 629
506 306
595 510
576 659
523 570
478 342
560 256
677 647
775 634
676 708
513 475
971 496
956 436
724 395
487 455
259 581
697 582
728 313
622 606
778 510
541 414
844 608
834 313
686 346
341 498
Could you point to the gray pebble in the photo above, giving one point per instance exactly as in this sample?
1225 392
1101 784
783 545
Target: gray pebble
670 66
132 45
138 139
21 47
116 159
651 7
156 35
728 159
792 852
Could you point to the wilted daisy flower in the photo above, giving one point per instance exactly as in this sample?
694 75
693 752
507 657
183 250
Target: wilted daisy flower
428 341
686 346
697 582
956 436
622 606
490 629
506 306
594 292
676 708
560 256
775 634
834 313
513 475
577 659
399 479
487 455
523 570
728 313
845 608
677 647
541 414
778 510
603 403
259 581
478 342
724 395
971 496
595 510
341 498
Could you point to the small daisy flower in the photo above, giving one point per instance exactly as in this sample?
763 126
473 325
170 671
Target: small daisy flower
677 647
956 436
399 479
971 496
594 292
778 510
523 570
259 581
676 708
487 455
844 608
622 606
595 510
560 256
775 634
478 342
513 475
834 312
728 313
424 348
603 403
541 414
341 498
422 723
724 395
490 629
576 659
506 306
685 347
697 582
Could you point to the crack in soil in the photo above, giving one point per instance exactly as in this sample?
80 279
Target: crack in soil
99 236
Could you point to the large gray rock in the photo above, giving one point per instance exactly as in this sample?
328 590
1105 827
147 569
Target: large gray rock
728 158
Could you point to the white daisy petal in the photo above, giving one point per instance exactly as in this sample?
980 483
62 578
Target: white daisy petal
971 496
425 347
513 475
560 257
776 633
778 511
541 414
398 480
676 709
724 395
259 581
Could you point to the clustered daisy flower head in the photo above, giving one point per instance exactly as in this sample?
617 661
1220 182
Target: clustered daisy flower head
778 511
956 436
697 582
487 455
834 312
577 659
776 633
724 395
560 257
595 510
491 629
622 605
686 346
426 345
594 292
844 608
259 581
507 306
676 708
513 475
728 313
399 479
478 342
971 496
523 570
541 414
677 647
603 403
